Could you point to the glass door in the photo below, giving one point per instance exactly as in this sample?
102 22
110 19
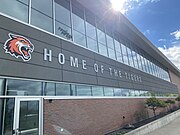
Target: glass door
27 116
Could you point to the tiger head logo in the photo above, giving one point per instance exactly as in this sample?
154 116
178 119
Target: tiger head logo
19 46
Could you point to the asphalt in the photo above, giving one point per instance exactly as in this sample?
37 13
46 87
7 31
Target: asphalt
172 128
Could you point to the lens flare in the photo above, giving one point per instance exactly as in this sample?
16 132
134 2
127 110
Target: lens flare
118 5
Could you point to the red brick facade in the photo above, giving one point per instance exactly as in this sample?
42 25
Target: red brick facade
90 116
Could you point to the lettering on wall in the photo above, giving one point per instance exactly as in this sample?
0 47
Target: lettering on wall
75 63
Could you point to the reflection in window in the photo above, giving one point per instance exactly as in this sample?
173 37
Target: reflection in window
117 92
37 18
49 89
2 83
42 14
97 91
15 9
9 116
101 37
131 62
90 31
62 13
111 53
44 7
62 89
63 31
139 62
136 93
62 21
110 42
125 92
131 93
1 113
134 56
79 38
118 51
102 49
23 87
92 44
108 91
83 90
78 24
110 45
124 52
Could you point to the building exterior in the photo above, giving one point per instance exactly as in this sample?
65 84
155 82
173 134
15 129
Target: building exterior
75 67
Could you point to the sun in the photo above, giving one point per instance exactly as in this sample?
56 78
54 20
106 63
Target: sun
118 5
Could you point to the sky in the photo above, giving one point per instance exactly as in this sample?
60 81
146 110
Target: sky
159 21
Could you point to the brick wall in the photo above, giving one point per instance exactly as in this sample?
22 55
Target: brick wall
90 116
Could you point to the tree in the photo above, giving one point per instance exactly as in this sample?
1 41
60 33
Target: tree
169 102
154 103
178 99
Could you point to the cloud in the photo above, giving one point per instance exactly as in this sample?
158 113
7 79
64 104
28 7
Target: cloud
162 40
147 32
133 4
176 34
173 54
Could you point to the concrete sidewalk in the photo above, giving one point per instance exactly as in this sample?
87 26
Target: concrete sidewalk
172 128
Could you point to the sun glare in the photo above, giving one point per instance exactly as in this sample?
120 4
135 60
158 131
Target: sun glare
118 5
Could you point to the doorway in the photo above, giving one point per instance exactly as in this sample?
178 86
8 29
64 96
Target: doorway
27 116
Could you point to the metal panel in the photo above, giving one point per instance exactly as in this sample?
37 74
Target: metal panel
38 68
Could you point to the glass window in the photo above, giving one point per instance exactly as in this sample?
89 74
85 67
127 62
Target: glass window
49 89
24 1
145 64
2 83
42 21
44 7
24 87
62 89
97 91
79 38
139 62
73 90
83 90
62 13
124 52
92 44
134 56
136 93
101 37
119 57
125 92
131 93
148 66
15 9
152 68
1 114
110 42
78 24
117 46
102 49
142 63
108 91
117 92
9 116
91 31
63 31
111 53
42 14
130 57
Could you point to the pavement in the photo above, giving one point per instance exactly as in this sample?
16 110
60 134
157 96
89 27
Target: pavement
172 128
